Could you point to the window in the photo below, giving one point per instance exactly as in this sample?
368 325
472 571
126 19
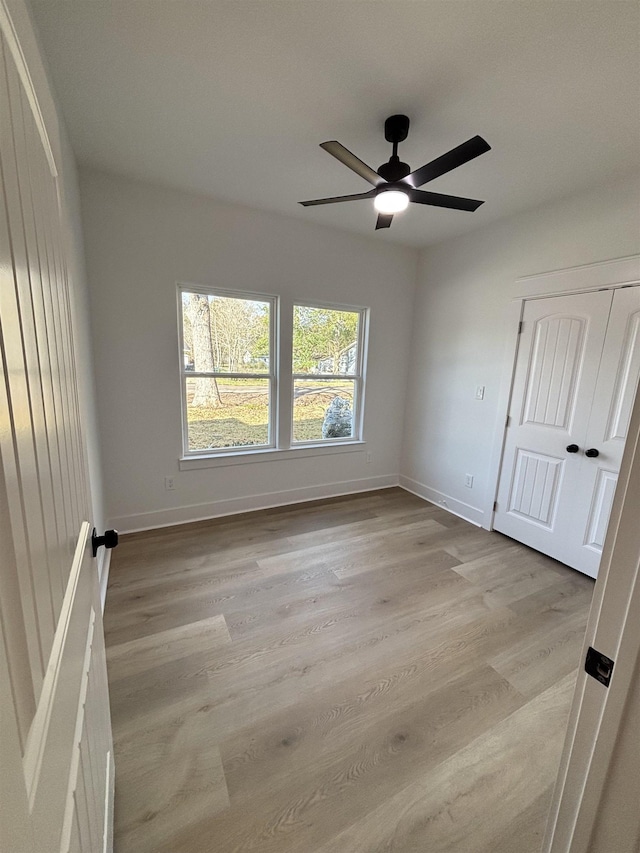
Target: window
228 376
231 400
327 373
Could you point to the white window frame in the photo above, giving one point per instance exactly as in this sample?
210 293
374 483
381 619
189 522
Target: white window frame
280 376
271 375
358 377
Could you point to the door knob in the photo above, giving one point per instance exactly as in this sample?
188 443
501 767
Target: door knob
572 448
109 540
592 453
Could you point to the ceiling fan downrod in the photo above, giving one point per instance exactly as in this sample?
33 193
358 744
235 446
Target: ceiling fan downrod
396 130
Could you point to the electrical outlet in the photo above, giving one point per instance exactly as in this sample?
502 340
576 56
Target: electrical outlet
169 484
369 458
468 480
480 392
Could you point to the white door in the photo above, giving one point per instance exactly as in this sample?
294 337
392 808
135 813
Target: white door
576 373
56 770
595 804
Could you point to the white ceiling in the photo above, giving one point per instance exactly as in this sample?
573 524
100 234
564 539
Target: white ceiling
232 98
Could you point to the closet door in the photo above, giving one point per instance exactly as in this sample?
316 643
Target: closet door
576 376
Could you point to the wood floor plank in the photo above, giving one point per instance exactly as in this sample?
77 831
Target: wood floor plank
509 766
362 768
172 781
526 828
512 574
137 656
398 581
287 745
209 546
358 675
384 518
153 610
535 662
571 594
356 554
386 559
240 682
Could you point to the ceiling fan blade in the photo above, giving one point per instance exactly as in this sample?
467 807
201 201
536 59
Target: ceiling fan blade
355 197
451 160
384 220
352 162
453 202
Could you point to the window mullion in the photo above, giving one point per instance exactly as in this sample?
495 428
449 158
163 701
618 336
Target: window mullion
185 419
359 387
284 348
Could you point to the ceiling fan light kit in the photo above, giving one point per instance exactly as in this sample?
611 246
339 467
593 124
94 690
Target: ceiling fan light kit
395 185
391 201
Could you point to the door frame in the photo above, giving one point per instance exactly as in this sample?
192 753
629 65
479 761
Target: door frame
594 808
611 274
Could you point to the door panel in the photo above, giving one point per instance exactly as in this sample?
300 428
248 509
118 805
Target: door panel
535 489
600 509
49 758
46 436
557 351
55 732
629 366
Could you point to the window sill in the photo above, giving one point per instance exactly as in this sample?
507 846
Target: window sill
271 454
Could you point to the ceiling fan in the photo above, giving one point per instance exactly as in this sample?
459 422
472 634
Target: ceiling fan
394 184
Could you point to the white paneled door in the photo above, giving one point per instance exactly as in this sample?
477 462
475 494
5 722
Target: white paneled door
56 768
575 380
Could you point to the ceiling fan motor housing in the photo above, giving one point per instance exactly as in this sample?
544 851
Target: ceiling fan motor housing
394 170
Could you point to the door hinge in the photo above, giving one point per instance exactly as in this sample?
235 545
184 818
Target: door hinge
598 666
508 421
495 505
520 327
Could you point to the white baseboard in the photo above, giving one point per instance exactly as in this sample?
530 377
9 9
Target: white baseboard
216 509
459 508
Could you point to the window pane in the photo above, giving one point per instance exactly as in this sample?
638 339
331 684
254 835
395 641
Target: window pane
225 335
325 340
224 412
323 409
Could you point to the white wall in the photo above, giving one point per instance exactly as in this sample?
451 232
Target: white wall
140 241
82 341
460 329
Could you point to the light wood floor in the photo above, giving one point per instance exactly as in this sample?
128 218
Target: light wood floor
358 675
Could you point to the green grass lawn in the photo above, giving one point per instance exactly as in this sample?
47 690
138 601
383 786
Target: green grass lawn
232 432
242 420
